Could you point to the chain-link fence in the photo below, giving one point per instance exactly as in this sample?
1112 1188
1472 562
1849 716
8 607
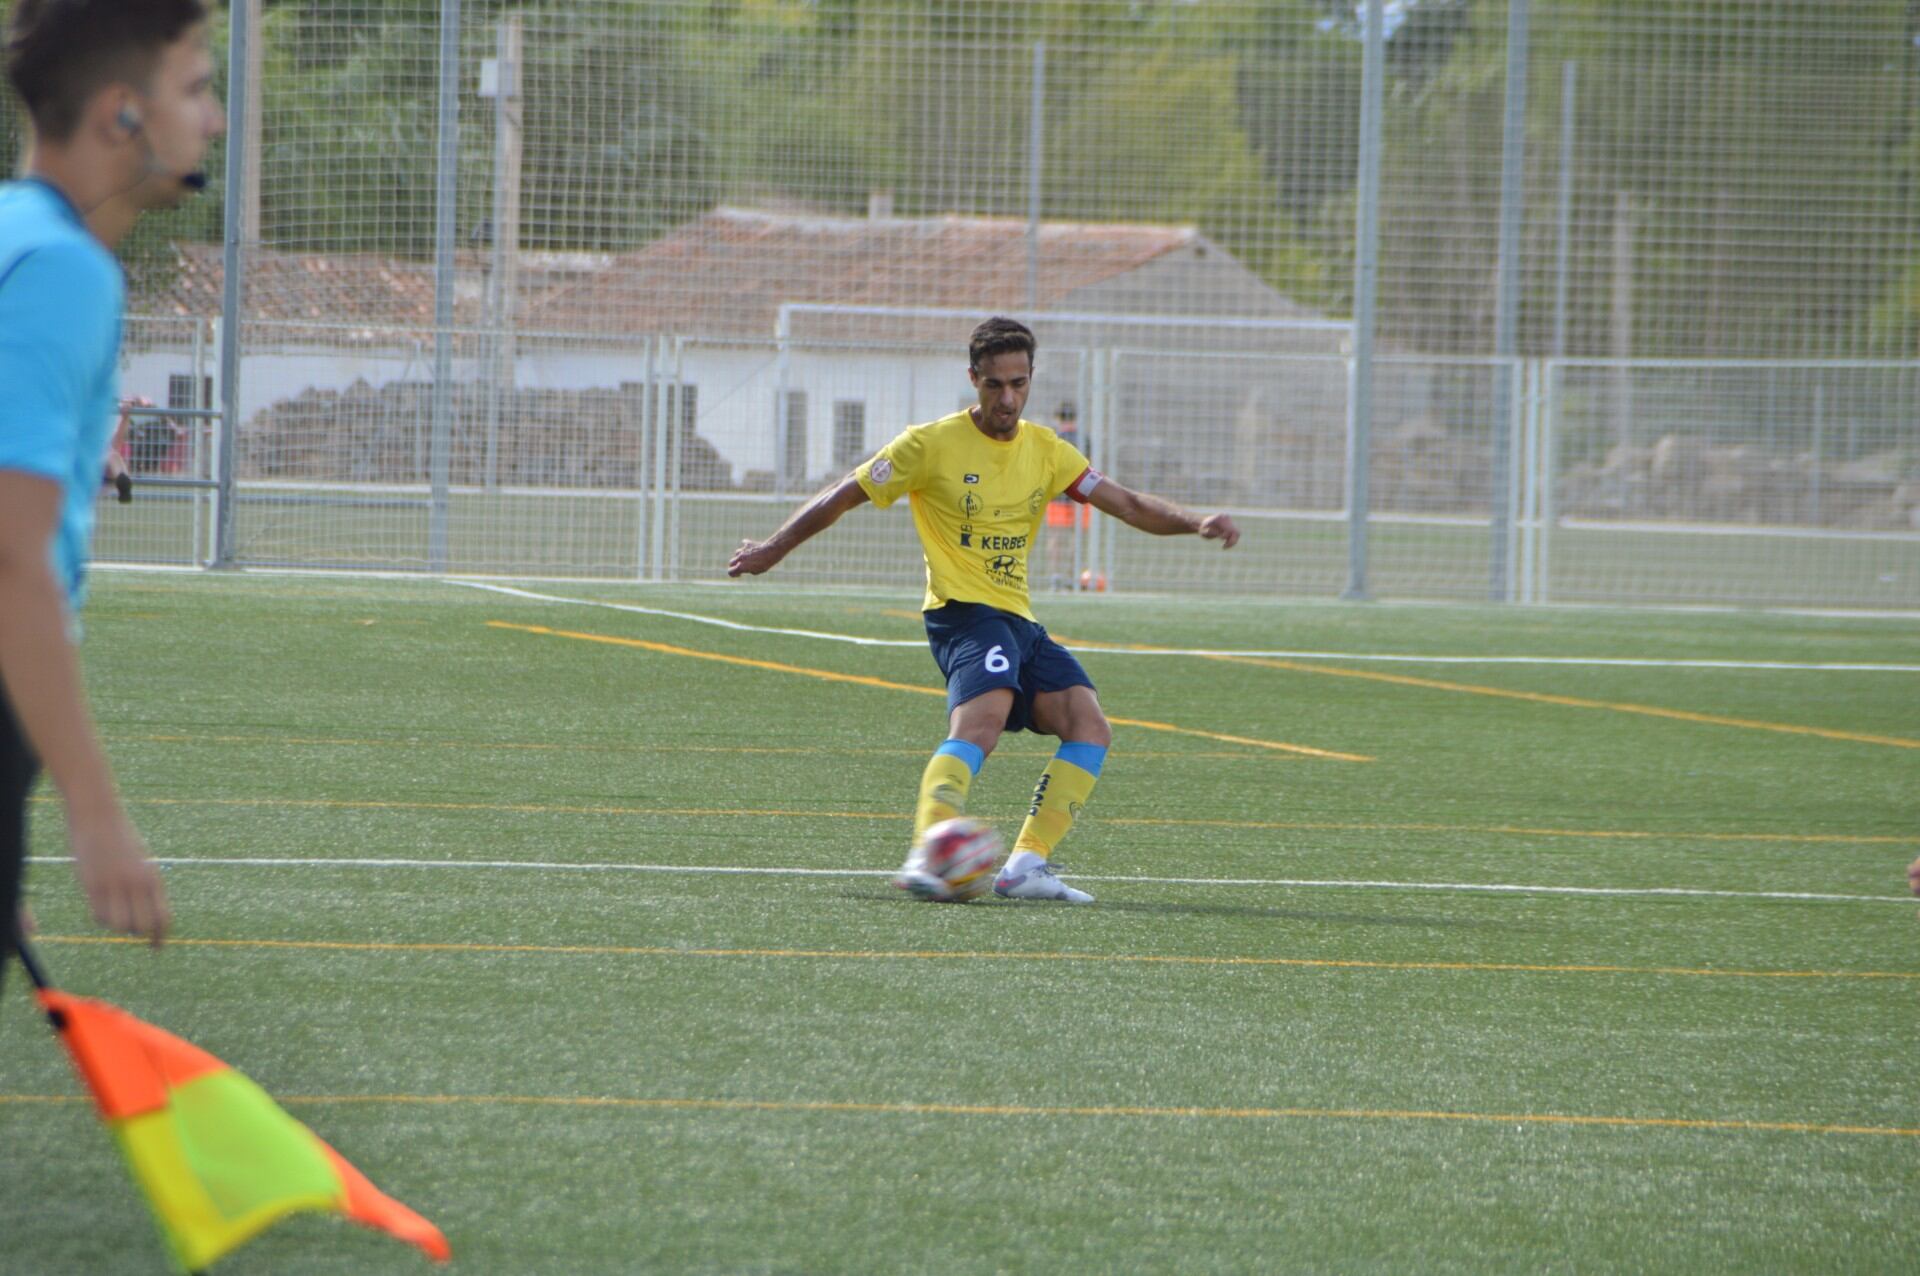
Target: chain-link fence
597 289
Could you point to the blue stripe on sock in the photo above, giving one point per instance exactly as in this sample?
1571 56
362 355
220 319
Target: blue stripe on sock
1088 757
967 752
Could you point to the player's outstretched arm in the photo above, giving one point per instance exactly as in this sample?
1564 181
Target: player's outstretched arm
1161 517
816 516
42 677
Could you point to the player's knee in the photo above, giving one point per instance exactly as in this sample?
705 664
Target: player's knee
1092 728
981 738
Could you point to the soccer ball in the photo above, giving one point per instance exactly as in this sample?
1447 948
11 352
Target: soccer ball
962 853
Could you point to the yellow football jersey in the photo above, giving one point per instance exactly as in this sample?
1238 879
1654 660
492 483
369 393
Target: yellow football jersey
977 502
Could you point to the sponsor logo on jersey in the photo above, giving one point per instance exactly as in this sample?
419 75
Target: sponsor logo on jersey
969 478
1003 542
1001 568
1035 499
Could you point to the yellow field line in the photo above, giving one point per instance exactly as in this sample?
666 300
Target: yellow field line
1033 1110
1536 697
1323 826
535 747
518 808
830 954
1577 702
864 680
1524 831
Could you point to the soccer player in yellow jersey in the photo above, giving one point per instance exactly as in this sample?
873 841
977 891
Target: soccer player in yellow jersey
978 483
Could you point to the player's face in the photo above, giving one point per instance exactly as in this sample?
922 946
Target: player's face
1004 381
180 116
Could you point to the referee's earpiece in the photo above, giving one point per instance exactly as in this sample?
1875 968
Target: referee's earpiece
129 121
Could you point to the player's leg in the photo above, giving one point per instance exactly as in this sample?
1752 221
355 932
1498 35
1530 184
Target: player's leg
980 652
973 728
1072 713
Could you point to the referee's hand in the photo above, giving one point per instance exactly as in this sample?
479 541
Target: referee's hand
123 886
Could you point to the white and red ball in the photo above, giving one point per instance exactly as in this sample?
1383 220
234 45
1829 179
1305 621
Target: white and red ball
962 853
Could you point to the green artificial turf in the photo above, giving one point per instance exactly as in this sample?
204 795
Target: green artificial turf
1298 1031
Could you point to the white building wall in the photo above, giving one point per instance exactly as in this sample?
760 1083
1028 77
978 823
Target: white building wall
737 388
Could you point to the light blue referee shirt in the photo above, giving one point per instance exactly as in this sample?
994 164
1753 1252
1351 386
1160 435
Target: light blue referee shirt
61 294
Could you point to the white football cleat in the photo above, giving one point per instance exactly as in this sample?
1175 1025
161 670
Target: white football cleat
1034 879
915 880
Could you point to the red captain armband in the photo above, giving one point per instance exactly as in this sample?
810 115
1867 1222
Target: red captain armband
1082 488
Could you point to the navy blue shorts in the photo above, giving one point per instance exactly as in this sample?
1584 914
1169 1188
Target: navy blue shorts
980 648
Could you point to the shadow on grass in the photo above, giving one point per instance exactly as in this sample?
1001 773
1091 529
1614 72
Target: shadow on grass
1251 911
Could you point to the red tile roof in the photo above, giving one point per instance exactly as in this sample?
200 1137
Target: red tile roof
725 274
728 272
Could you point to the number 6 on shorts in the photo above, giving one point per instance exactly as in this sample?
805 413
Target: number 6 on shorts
997 661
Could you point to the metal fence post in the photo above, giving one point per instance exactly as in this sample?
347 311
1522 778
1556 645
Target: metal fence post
1507 301
230 279
440 448
1366 273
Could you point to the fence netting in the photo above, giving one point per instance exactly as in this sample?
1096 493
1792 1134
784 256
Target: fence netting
707 254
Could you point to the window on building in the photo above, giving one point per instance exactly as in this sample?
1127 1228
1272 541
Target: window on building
849 433
793 465
180 391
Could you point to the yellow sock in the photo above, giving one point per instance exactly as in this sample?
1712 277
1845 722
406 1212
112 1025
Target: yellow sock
1063 789
944 785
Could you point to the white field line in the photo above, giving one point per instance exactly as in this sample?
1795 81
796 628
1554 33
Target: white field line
766 590
552 866
1623 662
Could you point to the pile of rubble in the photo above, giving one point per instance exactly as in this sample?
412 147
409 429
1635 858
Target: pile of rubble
543 438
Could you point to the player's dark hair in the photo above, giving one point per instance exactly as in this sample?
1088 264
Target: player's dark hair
62 52
1000 335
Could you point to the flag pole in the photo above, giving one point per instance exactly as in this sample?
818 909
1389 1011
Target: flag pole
32 963
38 974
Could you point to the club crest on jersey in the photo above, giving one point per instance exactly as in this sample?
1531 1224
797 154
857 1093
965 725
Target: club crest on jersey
969 504
1035 499
881 470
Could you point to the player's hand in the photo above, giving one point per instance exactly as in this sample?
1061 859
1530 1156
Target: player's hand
1220 527
752 558
122 885
123 485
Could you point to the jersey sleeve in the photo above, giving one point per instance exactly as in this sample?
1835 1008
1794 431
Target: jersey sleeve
58 311
1072 475
896 469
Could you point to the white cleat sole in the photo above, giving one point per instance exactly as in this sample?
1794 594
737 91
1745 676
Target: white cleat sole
1039 886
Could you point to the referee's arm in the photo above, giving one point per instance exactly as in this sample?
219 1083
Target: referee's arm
41 675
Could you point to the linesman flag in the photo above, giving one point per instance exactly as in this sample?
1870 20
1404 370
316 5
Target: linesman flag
218 1160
